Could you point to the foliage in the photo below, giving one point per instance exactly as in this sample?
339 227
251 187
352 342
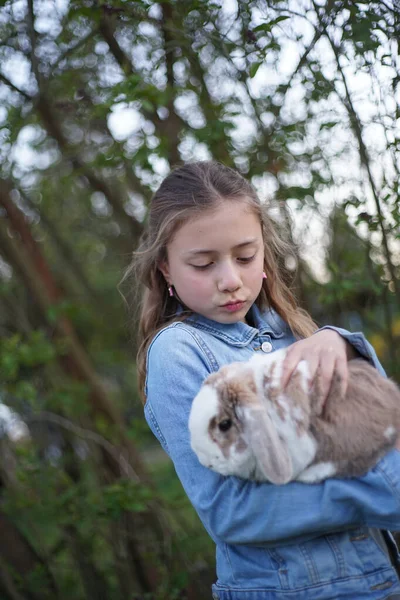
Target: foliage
98 101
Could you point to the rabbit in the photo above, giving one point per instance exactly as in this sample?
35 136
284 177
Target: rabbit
242 423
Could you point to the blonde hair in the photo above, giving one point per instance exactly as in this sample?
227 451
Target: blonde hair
184 194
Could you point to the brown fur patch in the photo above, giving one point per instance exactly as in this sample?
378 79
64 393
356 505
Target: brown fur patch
214 378
301 400
351 429
268 377
232 393
266 381
273 393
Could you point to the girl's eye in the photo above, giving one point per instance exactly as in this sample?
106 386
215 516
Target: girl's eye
246 259
202 267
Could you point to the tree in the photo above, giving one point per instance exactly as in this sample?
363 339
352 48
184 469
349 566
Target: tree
98 101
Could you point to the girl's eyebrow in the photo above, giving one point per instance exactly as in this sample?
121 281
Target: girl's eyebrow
197 251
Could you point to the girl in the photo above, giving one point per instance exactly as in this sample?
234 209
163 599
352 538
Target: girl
211 263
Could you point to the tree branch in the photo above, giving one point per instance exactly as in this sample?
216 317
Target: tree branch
67 254
173 122
52 125
107 31
365 160
33 38
363 151
87 434
72 49
5 80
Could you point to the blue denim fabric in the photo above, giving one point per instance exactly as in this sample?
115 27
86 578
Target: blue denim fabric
293 541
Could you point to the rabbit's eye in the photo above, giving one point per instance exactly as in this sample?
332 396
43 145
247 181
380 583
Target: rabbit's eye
225 425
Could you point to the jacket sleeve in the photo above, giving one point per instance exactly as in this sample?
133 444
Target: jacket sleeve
361 344
237 511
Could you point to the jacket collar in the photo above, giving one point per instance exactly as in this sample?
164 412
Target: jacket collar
241 334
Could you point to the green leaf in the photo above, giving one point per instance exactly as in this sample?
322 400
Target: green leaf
328 125
268 26
148 106
254 68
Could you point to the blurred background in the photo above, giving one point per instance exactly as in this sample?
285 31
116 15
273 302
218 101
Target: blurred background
98 101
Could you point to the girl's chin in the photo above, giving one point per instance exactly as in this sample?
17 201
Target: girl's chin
230 317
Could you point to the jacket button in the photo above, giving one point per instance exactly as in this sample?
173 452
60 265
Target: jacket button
266 346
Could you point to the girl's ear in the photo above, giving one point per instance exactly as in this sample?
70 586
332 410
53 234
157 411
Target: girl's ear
163 267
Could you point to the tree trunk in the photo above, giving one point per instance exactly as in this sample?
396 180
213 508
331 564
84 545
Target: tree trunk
37 277
17 554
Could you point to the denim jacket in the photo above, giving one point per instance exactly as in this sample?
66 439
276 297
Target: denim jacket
297 541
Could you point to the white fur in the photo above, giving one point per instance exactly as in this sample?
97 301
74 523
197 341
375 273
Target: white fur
263 364
203 409
303 368
317 472
302 447
390 432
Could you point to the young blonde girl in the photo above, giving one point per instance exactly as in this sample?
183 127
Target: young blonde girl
212 265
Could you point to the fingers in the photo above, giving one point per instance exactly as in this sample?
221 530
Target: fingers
331 378
293 357
289 366
321 384
330 383
342 373
324 368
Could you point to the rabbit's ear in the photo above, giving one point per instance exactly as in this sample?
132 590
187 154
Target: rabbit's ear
271 452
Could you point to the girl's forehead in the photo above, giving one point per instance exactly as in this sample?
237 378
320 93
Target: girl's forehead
231 222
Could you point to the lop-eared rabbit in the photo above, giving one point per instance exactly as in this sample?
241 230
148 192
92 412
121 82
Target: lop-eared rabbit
243 423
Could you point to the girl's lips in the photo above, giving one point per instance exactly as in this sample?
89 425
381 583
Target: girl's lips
233 306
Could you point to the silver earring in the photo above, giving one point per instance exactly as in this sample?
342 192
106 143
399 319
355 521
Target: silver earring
264 275
170 290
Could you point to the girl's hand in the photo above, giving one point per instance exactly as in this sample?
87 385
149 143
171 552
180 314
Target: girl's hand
326 353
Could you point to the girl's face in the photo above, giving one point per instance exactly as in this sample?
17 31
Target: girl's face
215 262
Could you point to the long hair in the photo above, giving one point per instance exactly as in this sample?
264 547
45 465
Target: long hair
184 194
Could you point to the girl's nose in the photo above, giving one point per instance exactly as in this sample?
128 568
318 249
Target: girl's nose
229 279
